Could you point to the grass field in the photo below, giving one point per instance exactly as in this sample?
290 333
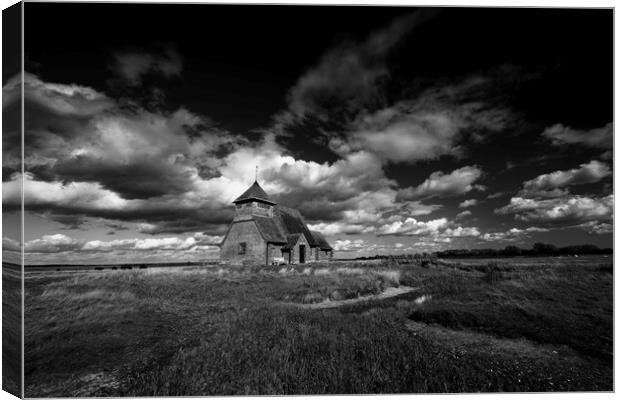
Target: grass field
461 327
11 328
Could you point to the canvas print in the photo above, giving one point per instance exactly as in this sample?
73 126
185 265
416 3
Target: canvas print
210 200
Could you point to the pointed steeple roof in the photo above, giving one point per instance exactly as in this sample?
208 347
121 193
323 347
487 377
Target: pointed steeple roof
255 192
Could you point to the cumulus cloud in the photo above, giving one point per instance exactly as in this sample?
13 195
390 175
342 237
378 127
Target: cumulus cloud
335 228
546 200
565 209
460 231
57 243
63 99
463 214
597 228
511 235
132 66
350 245
408 138
371 216
599 138
548 185
60 243
440 184
76 133
468 203
440 229
53 110
411 226
86 155
9 244
432 123
175 172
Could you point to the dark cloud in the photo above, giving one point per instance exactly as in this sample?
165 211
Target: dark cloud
567 210
552 184
601 138
135 179
497 195
76 134
132 65
70 221
428 119
440 184
350 76
116 226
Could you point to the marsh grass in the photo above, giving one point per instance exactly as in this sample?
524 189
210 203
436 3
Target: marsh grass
218 331
11 328
557 305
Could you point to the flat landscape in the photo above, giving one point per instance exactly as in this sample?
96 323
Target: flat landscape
536 324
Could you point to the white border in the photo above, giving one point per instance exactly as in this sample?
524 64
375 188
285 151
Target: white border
461 3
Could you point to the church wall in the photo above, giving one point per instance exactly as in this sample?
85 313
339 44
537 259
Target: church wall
253 208
275 254
316 254
246 232
295 251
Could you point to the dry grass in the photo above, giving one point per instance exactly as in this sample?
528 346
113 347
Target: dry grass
11 329
212 330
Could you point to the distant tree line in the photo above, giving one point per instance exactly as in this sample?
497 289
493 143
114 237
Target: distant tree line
538 249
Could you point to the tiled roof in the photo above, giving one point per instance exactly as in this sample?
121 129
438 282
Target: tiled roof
269 230
254 192
290 221
291 240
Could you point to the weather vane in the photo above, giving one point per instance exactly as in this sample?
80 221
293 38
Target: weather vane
256 174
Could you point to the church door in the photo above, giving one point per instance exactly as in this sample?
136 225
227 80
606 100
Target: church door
302 253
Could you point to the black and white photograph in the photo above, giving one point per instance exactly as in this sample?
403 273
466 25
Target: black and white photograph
321 199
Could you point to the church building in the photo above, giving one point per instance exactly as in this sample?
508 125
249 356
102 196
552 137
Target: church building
263 232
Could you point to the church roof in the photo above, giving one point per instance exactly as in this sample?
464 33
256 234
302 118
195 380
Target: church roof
269 230
290 221
320 240
255 192
291 240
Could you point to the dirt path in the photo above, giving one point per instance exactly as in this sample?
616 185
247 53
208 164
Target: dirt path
386 294
463 341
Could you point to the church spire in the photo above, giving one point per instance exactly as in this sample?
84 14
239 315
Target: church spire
255 192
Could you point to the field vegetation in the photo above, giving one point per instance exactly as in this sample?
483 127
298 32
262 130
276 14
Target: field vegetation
215 330
11 328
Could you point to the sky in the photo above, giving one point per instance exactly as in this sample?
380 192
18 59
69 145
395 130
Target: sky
392 129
